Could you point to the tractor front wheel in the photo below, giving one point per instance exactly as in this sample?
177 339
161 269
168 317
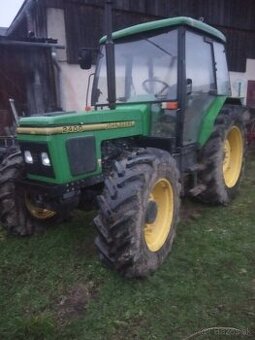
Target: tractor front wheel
19 213
138 212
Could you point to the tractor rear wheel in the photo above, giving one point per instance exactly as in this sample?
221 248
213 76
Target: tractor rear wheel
138 212
223 156
19 213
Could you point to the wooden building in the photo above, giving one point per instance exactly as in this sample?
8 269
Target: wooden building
27 75
79 23
235 18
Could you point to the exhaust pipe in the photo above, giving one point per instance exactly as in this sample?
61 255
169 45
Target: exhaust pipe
110 59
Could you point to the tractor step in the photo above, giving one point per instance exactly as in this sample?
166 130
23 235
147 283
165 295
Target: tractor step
197 190
197 167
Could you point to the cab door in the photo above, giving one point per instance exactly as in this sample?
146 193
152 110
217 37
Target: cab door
201 87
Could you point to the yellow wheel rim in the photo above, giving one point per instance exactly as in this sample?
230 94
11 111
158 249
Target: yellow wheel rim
233 157
156 233
37 212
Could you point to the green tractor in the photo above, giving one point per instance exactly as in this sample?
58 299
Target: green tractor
162 125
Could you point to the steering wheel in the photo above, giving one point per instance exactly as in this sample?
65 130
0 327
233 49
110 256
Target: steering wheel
146 86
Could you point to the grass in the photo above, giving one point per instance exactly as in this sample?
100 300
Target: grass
52 285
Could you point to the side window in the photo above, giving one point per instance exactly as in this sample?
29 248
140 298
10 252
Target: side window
199 63
201 86
222 75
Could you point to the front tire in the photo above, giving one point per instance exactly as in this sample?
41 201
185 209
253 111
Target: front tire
19 214
138 212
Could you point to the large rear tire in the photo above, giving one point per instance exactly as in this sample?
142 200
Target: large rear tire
223 157
19 213
138 212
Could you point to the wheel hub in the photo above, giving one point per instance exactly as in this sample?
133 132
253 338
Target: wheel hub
233 156
36 211
159 215
151 212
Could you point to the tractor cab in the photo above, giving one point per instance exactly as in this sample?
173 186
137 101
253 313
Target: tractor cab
176 66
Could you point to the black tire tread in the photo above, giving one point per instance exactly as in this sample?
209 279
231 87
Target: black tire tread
13 215
116 241
211 155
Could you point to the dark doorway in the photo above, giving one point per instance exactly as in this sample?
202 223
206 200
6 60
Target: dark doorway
27 76
251 94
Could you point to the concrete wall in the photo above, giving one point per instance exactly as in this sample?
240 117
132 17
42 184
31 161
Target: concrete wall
73 80
239 81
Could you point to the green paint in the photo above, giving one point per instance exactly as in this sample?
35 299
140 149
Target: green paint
121 113
153 25
207 124
57 143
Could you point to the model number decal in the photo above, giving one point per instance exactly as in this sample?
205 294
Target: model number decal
73 128
94 127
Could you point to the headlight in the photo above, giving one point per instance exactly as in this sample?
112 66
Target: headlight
28 157
45 159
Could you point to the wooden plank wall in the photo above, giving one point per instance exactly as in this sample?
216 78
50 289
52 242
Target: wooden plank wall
84 21
27 76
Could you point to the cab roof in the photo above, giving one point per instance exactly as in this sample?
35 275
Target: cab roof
169 22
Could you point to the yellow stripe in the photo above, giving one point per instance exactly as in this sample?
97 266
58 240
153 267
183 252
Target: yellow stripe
74 128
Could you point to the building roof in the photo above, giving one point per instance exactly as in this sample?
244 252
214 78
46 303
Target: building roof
27 4
3 30
169 22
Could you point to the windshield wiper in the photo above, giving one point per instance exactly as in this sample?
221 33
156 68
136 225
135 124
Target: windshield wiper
160 48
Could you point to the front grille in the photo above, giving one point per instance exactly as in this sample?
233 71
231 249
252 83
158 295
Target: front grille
81 154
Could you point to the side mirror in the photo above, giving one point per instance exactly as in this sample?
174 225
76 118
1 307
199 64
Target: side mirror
188 86
85 59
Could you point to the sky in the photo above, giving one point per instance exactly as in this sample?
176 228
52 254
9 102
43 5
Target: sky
8 11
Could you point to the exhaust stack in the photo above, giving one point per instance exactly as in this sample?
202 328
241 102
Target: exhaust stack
110 60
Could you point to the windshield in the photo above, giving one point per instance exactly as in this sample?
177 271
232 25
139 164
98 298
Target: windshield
146 70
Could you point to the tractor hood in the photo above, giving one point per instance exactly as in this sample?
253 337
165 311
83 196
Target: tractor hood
72 141
136 115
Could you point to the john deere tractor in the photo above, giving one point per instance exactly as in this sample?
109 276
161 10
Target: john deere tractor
162 125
